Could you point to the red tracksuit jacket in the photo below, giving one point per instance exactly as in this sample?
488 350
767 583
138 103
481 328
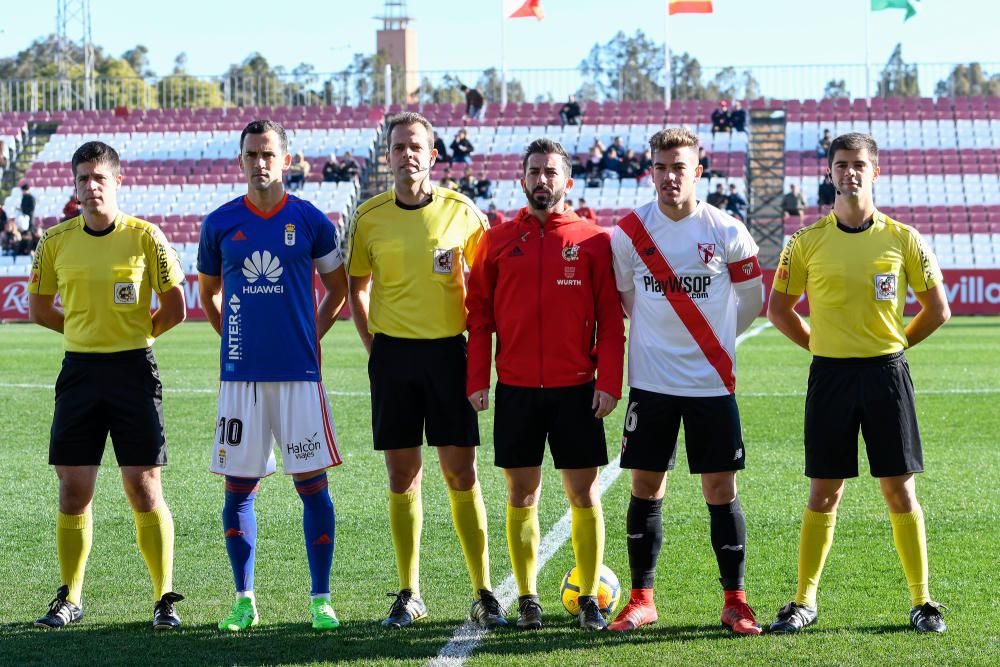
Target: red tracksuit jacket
549 294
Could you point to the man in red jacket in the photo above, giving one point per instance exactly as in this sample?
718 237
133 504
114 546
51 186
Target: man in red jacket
544 283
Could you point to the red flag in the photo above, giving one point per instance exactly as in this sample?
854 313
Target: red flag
520 9
689 7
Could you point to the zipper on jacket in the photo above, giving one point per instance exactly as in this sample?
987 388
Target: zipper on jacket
541 330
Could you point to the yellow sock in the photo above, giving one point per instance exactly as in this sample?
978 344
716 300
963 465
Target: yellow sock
815 541
74 535
911 545
469 514
406 520
154 531
588 546
523 537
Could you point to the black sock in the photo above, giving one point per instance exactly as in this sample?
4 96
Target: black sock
644 526
729 536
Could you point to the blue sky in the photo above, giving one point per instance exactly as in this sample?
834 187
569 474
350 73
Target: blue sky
466 35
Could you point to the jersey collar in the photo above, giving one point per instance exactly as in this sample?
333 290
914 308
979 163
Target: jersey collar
270 214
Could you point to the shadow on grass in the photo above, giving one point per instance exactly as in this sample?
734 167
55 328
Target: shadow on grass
268 644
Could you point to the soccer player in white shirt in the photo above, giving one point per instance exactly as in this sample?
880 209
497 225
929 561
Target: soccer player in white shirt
690 282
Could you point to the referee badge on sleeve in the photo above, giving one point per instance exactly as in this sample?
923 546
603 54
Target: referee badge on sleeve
885 286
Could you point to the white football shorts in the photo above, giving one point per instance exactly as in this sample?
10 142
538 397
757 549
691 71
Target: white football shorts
254 416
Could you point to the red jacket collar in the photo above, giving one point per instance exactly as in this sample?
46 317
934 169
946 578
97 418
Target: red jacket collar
565 217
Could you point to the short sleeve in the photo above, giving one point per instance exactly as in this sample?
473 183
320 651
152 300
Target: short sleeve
922 270
790 276
43 276
326 249
622 253
359 262
478 225
165 266
209 254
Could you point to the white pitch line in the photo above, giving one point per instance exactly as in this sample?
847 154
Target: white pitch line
467 637
166 390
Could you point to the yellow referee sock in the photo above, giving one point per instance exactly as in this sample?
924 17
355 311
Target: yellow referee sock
588 546
469 514
74 536
911 544
815 541
406 521
523 537
154 531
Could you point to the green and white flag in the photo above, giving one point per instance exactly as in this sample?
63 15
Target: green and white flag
911 6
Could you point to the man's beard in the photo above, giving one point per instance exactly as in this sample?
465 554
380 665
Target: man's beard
542 200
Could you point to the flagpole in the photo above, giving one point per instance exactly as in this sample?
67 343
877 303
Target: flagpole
868 60
503 62
668 75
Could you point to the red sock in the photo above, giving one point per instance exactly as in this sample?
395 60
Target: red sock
734 597
642 595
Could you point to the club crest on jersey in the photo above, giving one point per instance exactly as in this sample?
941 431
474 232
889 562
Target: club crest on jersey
125 293
706 251
885 287
222 458
444 260
571 253
289 234
569 271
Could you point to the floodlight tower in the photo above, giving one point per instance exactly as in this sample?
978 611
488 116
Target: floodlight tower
73 30
398 41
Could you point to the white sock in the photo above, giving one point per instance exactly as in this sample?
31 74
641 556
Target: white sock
246 594
321 596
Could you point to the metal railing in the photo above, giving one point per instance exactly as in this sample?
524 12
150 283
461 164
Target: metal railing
532 85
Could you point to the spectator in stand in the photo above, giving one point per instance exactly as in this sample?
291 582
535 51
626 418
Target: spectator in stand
599 145
484 187
618 145
72 208
594 166
738 117
646 163
585 211
461 148
3 217
827 192
26 246
823 145
26 220
793 203
10 237
467 184
349 168
736 205
447 181
577 168
298 172
720 118
442 151
331 169
719 199
611 164
570 112
494 216
705 161
3 156
473 102
630 165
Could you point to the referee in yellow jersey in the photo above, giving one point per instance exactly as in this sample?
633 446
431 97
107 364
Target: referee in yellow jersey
855 264
408 249
105 265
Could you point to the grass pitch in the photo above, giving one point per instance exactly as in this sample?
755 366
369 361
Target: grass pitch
863 599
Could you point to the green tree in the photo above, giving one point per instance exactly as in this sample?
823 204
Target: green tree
184 91
685 78
625 68
836 88
969 80
898 79
489 86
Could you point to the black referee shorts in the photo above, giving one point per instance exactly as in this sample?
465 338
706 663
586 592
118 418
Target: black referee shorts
117 393
418 386
525 416
874 395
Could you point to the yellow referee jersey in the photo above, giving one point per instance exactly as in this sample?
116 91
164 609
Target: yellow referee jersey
105 280
856 282
416 257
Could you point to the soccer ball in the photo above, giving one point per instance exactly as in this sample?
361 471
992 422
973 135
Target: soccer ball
608 592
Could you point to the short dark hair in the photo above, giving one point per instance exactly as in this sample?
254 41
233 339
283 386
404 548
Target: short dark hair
262 126
853 141
96 151
408 118
546 147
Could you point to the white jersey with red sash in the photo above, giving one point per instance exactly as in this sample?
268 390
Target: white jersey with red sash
682 339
